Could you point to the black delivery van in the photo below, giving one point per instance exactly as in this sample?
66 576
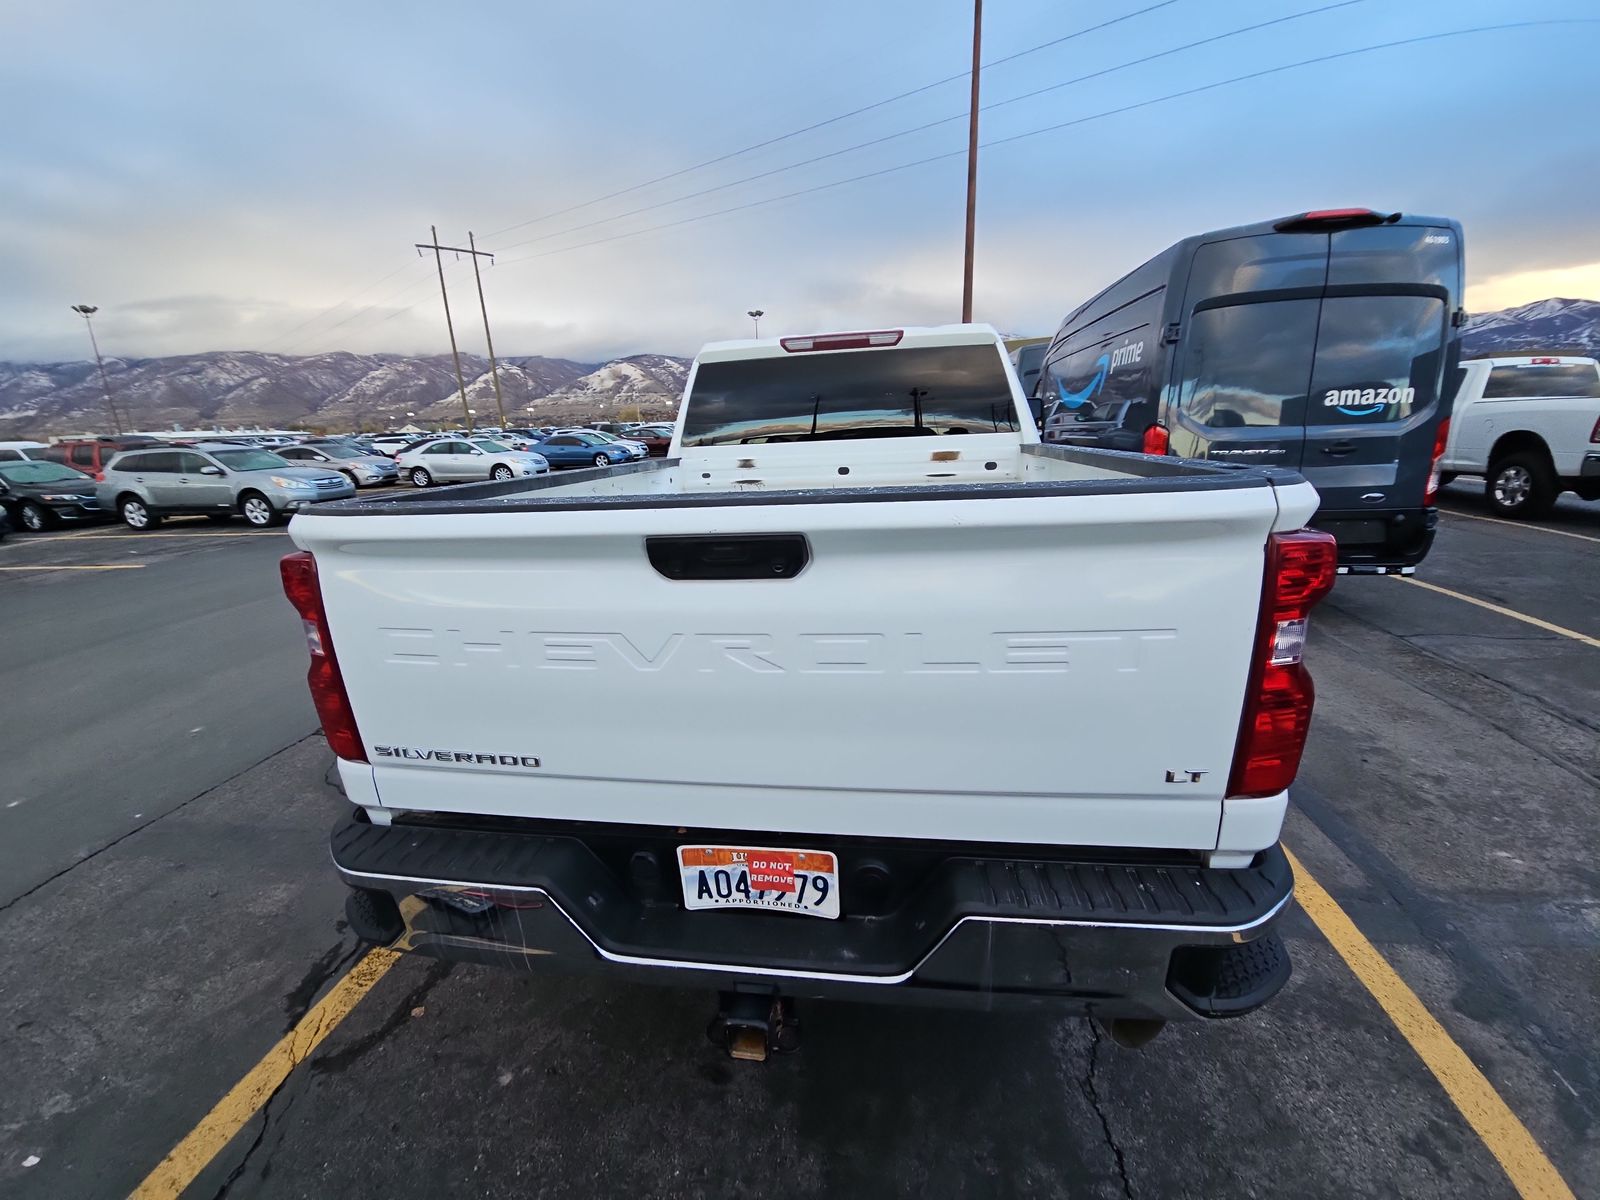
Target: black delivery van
1320 342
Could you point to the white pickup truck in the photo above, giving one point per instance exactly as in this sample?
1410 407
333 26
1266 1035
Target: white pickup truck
1530 426
859 692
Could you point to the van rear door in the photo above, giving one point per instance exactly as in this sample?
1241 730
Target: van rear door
1379 364
1248 335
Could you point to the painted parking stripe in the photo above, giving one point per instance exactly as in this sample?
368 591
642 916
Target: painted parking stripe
78 567
1503 611
1527 1166
217 1128
1582 537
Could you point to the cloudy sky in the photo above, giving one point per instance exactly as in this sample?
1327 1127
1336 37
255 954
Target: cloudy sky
254 177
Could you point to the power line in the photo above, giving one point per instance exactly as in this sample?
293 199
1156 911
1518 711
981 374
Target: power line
822 187
855 112
889 137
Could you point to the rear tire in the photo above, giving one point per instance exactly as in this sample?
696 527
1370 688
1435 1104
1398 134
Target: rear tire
257 511
601 460
420 477
33 518
502 473
137 515
1521 485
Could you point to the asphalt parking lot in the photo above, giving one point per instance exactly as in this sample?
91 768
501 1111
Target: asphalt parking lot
168 915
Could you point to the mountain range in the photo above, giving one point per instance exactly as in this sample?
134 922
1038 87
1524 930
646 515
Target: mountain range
1553 326
336 391
340 390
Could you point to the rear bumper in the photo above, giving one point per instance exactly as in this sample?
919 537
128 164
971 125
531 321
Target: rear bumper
1380 542
1109 938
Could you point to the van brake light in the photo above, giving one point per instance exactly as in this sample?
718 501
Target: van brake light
843 341
1156 440
1323 218
1440 437
1300 570
300 584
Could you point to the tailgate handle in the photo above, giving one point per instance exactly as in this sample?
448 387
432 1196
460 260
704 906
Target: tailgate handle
729 555
1339 449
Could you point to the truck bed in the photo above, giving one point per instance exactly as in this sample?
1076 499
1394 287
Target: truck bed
1020 648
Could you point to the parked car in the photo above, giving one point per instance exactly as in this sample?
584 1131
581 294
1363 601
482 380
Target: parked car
23 452
636 450
38 495
1530 426
455 460
90 455
583 448
392 443
360 466
217 480
654 438
1057 599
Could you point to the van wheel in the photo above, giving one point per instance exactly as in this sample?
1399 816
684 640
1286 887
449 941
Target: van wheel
257 510
1521 485
34 519
136 514
420 476
502 473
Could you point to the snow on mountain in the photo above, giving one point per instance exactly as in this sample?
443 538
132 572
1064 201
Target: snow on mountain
1556 325
338 390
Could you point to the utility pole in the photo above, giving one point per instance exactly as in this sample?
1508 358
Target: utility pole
494 369
972 162
461 384
755 314
86 311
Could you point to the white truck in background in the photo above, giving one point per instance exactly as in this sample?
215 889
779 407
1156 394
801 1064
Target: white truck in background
860 692
1530 426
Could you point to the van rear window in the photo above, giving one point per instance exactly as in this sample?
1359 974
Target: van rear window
1378 359
807 397
1542 379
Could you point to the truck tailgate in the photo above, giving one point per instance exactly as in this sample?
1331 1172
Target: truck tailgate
1024 669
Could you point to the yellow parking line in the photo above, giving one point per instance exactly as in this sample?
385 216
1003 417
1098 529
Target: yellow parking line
1531 1172
1582 537
77 567
217 1128
1502 610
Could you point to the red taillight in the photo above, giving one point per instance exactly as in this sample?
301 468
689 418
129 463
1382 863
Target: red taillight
1323 218
1301 568
1594 434
299 571
1156 439
1440 437
1544 362
843 341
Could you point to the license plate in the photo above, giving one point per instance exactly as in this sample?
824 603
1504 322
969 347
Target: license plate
798 881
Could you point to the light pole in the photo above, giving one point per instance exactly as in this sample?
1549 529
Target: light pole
86 311
755 314
972 163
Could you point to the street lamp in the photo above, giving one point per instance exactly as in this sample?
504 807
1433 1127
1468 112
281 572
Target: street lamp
755 314
86 311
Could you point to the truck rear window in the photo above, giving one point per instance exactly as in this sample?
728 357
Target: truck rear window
850 394
1542 379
